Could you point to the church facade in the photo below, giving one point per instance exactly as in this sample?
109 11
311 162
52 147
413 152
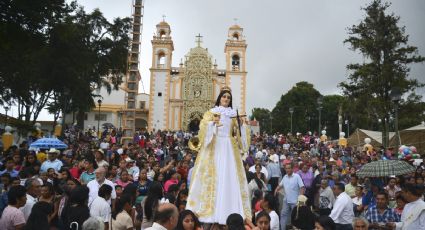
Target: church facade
180 95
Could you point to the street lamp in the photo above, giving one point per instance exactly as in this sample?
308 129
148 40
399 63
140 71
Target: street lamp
6 109
98 118
271 123
291 111
319 107
120 117
396 97
348 127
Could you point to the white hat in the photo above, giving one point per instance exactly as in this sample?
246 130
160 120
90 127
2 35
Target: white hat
53 150
129 160
120 151
274 158
302 199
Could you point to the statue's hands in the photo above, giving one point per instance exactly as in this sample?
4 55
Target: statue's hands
216 120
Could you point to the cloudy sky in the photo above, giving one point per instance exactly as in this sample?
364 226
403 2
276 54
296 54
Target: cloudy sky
288 41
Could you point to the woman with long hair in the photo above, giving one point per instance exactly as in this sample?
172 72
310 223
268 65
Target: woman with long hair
218 185
76 211
150 204
30 161
121 216
71 184
188 221
38 219
181 197
258 174
48 195
143 184
159 177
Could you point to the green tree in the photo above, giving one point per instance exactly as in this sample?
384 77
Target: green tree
55 54
303 99
89 52
264 117
24 35
383 44
332 104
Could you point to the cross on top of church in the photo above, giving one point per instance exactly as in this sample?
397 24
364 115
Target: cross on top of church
163 17
236 21
199 40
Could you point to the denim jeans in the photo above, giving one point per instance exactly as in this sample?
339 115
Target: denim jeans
285 214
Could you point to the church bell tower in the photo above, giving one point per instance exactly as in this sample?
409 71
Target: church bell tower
235 50
162 52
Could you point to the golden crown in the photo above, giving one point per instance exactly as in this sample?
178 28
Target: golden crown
226 88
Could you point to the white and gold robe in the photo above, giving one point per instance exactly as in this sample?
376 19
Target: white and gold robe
218 186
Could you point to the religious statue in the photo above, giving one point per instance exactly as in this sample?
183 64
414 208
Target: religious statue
323 138
342 142
368 147
219 186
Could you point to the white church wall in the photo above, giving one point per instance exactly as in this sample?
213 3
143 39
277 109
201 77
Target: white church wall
115 98
111 117
159 101
178 89
236 86
143 97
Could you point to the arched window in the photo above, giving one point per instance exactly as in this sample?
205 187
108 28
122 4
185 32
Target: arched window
235 62
235 36
161 60
162 34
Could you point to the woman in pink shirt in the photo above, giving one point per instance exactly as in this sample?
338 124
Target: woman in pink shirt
123 181
173 180
13 218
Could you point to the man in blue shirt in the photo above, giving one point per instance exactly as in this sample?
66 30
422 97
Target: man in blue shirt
10 168
380 214
52 162
293 186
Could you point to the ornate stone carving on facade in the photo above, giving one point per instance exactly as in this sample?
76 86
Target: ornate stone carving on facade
197 85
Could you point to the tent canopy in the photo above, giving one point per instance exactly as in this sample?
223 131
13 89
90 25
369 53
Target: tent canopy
412 136
356 139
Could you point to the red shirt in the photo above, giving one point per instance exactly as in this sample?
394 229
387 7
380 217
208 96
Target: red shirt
183 172
142 143
75 172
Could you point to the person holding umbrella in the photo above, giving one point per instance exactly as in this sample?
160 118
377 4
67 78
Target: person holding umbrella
52 161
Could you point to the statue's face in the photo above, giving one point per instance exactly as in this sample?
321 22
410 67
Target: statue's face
225 99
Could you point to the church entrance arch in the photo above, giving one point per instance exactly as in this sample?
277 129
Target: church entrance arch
141 124
194 121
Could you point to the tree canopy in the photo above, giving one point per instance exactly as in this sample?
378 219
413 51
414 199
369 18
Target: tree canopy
54 54
385 70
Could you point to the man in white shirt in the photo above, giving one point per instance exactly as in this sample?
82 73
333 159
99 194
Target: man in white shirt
52 161
342 213
33 187
100 207
413 215
94 186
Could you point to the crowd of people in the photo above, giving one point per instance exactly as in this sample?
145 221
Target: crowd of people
295 181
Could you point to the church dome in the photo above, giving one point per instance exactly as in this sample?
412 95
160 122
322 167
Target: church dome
163 24
235 27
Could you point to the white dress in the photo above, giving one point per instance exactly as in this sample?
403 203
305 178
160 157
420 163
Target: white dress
219 186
